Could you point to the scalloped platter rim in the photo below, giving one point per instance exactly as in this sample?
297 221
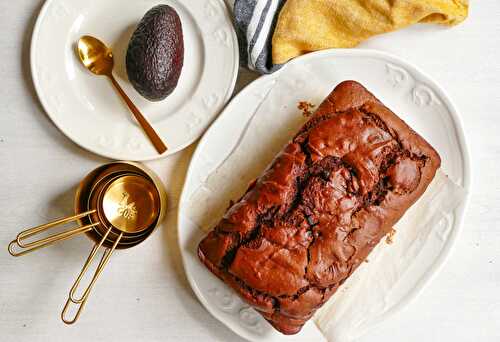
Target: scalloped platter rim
398 84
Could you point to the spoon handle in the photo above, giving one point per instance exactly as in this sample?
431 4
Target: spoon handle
147 128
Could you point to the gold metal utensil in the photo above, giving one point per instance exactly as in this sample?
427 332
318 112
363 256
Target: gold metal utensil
118 205
131 204
82 202
21 246
27 247
99 216
98 58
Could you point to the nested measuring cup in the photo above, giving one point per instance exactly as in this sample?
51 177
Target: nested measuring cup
128 240
129 236
130 198
125 204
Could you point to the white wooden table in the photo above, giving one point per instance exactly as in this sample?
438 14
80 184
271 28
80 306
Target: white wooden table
143 294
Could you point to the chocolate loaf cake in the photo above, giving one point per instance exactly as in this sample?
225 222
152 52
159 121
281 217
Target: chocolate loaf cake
322 205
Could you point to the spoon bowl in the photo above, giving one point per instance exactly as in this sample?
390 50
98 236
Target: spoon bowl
95 55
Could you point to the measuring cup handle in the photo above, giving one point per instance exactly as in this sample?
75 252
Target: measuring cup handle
27 247
82 303
102 263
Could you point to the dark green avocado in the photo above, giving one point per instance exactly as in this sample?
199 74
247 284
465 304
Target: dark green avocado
155 54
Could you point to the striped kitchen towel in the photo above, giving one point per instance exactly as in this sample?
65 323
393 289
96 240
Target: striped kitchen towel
255 21
271 32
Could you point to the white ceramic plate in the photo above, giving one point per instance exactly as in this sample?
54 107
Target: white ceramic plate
86 107
402 87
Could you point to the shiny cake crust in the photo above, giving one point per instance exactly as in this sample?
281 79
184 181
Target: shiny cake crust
322 205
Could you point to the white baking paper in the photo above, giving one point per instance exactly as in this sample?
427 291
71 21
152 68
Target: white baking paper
380 286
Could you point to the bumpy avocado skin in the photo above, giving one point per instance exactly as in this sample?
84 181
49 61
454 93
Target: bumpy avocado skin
155 54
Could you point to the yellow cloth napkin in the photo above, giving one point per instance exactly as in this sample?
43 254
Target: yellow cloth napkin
309 25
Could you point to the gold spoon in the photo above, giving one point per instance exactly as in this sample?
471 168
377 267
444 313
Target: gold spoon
98 58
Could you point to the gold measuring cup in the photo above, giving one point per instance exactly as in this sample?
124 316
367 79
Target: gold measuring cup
92 202
84 191
130 204
122 198
82 204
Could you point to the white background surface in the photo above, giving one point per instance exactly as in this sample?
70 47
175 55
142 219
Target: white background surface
143 294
